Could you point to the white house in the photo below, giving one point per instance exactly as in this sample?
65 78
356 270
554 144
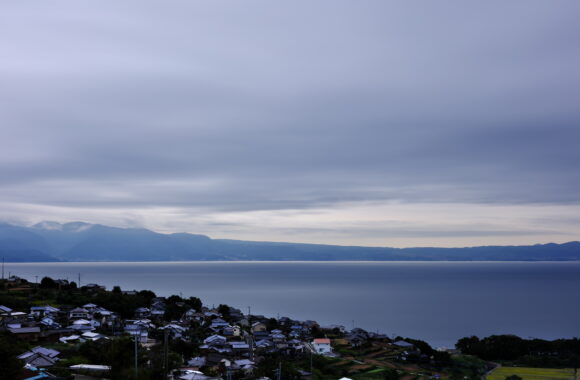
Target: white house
322 346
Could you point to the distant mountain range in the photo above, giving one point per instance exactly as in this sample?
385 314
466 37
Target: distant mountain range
51 241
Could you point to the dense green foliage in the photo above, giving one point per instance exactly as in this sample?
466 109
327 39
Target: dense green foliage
526 352
10 348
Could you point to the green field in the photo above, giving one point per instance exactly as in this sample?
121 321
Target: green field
532 373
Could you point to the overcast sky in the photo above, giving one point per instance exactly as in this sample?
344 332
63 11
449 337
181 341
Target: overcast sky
384 123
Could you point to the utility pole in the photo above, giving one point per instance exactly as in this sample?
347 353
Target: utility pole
279 371
3 268
165 352
36 282
136 372
251 339
79 280
310 364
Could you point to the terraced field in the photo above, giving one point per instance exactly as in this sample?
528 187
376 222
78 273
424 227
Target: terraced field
532 373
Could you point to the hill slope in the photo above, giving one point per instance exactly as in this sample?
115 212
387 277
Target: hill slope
50 241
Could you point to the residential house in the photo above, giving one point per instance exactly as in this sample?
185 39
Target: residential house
81 325
61 282
90 307
25 333
40 357
190 374
403 344
15 317
139 329
259 335
142 312
49 323
70 339
322 346
240 348
215 340
174 330
94 288
198 362
78 313
258 327
92 336
5 310
15 280
44 311
218 323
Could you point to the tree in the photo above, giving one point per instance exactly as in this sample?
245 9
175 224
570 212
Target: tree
195 303
10 366
48 283
224 310
147 294
391 374
513 377
316 332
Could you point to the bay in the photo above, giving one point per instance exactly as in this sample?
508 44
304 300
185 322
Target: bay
439 302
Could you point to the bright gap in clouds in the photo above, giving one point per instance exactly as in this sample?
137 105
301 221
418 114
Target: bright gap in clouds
368 224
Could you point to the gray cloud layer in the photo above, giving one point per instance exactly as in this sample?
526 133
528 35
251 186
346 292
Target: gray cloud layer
265 106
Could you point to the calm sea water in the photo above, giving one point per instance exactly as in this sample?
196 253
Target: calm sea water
439 302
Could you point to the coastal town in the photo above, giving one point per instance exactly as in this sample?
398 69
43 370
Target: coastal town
53 329
57 330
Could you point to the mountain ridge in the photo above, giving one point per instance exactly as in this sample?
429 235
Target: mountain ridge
80 241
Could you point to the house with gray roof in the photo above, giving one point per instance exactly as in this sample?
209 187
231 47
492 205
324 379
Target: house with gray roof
78 313
25 333
40 357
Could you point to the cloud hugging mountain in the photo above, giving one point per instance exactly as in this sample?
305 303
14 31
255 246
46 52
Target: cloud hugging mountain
78 241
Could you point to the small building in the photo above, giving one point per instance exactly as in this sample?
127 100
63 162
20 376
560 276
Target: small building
78 313
239 347
215 340
258 327
90 307
40 357
142 312
403 344
70 339
198 362
94 288
92 336
322 346
25 333
43 311
218 323
16 317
